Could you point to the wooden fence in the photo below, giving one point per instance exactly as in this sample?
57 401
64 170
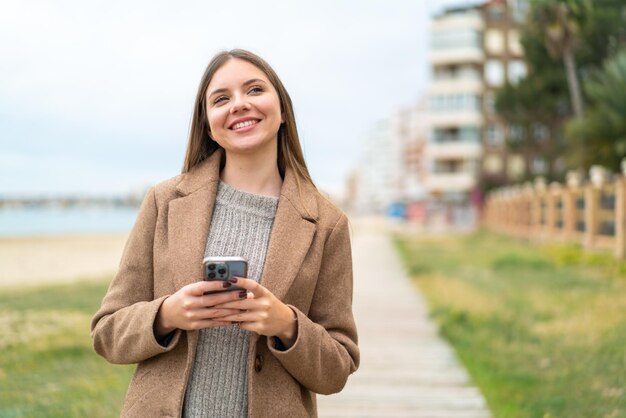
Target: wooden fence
591 213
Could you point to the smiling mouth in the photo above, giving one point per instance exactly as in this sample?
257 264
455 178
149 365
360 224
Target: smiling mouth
244 124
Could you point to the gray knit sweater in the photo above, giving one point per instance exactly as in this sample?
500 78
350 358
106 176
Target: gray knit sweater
218 385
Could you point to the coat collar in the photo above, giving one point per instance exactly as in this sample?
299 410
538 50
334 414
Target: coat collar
208 171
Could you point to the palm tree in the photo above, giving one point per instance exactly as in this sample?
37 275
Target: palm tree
603 130
560 28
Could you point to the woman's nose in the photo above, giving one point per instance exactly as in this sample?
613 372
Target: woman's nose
239 103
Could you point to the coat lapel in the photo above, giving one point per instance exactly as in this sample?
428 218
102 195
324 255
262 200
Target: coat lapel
189 217
292 233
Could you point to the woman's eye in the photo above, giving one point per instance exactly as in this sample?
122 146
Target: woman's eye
256 90
219 99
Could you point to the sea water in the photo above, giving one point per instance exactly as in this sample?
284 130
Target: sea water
73 220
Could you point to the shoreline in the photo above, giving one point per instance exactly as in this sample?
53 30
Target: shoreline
47 258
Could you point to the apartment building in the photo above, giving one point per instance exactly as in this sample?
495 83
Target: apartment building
504 61
474 50
456 119
378 172
392 169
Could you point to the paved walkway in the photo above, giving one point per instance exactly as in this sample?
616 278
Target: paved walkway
406 369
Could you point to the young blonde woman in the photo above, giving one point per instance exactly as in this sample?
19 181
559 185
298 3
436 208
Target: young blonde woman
244 191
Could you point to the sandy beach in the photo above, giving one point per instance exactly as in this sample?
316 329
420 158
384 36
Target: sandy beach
59 258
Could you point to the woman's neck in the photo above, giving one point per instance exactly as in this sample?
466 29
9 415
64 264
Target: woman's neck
252 174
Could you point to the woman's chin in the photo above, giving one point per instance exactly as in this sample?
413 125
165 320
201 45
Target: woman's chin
250 147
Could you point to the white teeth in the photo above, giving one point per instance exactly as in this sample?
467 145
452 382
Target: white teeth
244 124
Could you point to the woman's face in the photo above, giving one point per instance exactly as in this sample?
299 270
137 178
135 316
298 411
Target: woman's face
243 108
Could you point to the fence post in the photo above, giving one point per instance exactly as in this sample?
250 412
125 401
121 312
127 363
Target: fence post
591 214
597 175
552 197
528 209
573 179
620 215
540 196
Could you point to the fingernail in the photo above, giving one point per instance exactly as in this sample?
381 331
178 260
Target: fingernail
225 284
243 294
232 280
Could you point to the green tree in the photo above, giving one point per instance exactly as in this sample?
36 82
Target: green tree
558 22
605 124
590 31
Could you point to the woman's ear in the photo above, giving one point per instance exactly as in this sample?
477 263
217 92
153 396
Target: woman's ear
282 117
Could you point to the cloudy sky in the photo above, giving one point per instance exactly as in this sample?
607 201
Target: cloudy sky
96 97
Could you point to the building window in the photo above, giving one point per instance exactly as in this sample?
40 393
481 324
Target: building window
517 71
490 103
495 12
493 164
455 102
494 73
516 134
456 38
462 134
540 133
468 72
494 41
515 46
444 135
469 134
516 167
494 136
519 9
448 166
538 165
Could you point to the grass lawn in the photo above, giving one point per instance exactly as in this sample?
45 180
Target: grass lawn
47 365
541 329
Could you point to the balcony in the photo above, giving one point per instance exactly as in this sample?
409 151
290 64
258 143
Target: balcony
460 55
455 119
454 150
455 85
468 20
450 182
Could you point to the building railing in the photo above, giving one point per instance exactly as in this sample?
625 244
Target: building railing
591 213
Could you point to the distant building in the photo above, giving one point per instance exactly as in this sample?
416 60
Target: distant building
435 158
474 50
393 166
378 171
413 129
455 148
504 62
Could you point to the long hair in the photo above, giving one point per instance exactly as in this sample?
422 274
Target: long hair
201 146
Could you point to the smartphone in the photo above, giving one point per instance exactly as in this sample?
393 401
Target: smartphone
222 269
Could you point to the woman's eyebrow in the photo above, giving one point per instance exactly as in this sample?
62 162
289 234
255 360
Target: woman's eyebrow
247 83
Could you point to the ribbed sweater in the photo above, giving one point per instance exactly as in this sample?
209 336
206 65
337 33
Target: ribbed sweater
218 384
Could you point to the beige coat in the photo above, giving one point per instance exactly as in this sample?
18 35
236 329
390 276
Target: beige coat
308 266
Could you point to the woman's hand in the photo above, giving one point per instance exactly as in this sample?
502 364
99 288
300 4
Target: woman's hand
262 312
190 309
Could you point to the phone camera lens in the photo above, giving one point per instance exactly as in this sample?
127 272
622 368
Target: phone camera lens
211 275
222 271
211 266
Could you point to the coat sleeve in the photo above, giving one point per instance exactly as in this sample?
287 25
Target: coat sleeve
122 329
325 352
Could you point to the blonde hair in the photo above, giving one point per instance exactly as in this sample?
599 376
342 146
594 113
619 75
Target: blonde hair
200 145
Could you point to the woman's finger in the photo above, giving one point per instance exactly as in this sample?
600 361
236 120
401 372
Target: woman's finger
250 316
249 284
201 287
250 303
219 298
219 313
